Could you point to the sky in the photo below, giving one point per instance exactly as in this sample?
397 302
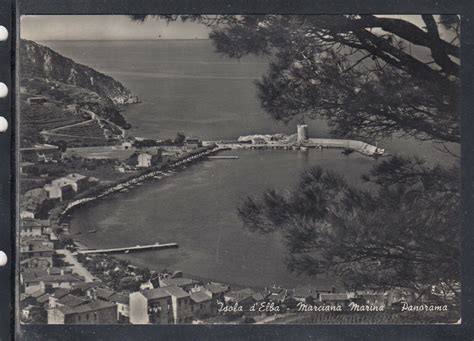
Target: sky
105 27
120 27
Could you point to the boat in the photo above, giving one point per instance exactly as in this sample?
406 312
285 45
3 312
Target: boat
347 151
92 231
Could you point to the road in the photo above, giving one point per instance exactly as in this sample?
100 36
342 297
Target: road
76 266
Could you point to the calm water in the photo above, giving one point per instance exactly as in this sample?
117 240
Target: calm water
185 86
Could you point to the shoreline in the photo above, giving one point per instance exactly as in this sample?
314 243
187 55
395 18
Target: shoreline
138 179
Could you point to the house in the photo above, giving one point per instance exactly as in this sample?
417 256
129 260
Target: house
144 160
40 153
78 182
94 312
149 158
192 143
64 192
66 187
123 306
35 203
277 294
184 283
36 254
48 282
70 301
340 299
30 228
30 312
310 293
151 307
127 145
27 213
181 304
202 304
242 297
160 306
216 290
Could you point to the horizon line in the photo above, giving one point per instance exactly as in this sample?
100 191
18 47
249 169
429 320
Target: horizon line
117 39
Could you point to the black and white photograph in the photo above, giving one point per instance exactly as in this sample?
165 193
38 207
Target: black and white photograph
239 169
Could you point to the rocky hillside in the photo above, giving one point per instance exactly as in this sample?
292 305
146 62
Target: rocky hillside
40 61
61 100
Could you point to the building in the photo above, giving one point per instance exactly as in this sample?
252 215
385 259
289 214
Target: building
95 312
277 294
66 187
217 290
49 282
202 304
30 228
35 203
181 305
243 297
341 299
127 145
160 306
78 182
144 160
151 307
302 133
36 255
123 306
310 293
184 283
150 158
191 143
60 192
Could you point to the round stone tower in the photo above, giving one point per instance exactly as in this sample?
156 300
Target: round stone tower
302 133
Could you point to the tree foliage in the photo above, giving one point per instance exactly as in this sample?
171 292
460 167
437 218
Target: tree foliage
370 77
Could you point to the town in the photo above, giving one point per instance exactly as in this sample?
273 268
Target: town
64 282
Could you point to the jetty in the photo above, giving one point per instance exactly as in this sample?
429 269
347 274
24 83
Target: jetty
127 249
224 157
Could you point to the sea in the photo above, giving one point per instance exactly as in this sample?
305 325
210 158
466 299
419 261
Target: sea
185 86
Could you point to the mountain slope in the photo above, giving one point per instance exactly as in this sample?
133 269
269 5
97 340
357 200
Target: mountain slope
40 61
77 104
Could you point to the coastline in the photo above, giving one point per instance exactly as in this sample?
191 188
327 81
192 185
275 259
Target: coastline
138 179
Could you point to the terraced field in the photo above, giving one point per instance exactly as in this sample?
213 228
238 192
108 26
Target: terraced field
87 134
48 116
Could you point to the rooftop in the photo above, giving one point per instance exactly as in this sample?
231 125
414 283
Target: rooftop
120 298
155 293
29 274
176 291
216 288
75 176
178 281
333 297
91 306
61 292
199 296
57 278
240 295
71 300
104 293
